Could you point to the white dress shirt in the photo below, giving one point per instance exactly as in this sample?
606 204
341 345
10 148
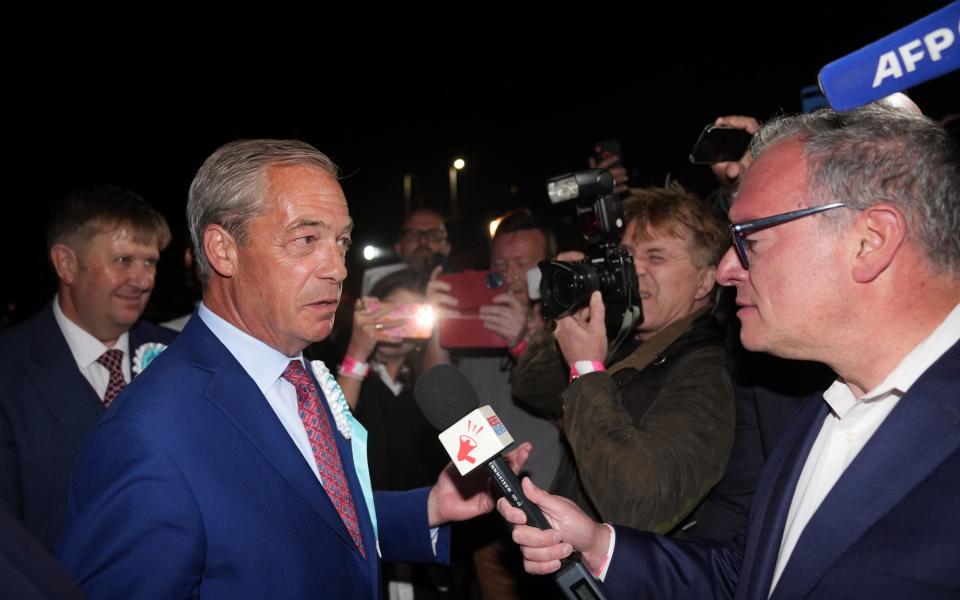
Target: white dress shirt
265 366
86 349
849 425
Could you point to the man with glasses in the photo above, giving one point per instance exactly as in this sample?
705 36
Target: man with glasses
846 250
423 243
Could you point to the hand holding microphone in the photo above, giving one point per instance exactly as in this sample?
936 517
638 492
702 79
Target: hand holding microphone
474 436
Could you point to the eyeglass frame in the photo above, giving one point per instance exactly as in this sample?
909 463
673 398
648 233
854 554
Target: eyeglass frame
739 231
407 235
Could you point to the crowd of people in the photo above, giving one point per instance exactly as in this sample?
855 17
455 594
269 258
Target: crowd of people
137 461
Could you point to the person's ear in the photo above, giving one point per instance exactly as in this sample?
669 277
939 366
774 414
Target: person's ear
880 229
706 280
221 250
65 263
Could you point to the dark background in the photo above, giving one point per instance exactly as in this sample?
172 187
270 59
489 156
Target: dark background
519 103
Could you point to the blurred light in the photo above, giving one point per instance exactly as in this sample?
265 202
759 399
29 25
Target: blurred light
425 316
371 252
459 164
493 226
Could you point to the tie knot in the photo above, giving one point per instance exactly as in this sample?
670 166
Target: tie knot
295 373
111 359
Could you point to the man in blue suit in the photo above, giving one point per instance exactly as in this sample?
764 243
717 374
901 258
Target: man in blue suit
229 469
847 251
103 243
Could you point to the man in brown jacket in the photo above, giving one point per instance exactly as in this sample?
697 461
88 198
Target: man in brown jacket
651 433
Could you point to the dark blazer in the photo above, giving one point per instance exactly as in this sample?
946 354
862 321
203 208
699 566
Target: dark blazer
47 408
887 529
27 571
190 485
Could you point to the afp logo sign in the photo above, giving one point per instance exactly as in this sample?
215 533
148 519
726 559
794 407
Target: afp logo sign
917 53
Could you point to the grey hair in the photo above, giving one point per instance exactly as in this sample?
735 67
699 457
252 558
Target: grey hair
881 154
229 188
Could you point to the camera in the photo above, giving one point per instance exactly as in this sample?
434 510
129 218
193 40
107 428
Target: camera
565 287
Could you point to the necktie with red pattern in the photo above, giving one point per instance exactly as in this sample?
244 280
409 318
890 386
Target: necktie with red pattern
320 434
112 359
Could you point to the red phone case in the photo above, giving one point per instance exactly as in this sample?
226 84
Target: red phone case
472 289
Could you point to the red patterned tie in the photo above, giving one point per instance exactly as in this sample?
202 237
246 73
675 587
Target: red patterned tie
324 447
112 359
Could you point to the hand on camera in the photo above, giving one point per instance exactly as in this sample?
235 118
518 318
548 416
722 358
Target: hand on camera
583 335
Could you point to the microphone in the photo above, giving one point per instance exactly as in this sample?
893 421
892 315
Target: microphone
910 56
473 436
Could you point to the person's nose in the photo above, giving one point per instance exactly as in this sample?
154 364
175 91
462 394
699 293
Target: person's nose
730 271
333 264
141 274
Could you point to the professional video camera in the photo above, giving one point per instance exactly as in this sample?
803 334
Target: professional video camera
566 286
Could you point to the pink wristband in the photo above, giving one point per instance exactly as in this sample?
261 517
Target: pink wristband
582 367
517 350
351 367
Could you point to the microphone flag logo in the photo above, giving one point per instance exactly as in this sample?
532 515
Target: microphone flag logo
475 439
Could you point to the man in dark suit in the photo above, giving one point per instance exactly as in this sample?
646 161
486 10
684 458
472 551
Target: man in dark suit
232 468
846 251
104 244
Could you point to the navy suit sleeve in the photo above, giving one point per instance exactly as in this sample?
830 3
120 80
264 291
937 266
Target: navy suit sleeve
135 529
647 565
404 529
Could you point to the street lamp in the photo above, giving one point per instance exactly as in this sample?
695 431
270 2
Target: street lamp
455 168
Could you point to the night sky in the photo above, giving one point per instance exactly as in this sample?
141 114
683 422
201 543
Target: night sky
518 106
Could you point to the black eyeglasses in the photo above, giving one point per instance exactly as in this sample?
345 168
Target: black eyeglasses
431 235
740 231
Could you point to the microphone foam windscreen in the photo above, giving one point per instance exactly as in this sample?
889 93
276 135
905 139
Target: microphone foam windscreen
444 396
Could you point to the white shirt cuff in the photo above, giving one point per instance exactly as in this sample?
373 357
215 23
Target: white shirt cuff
602 573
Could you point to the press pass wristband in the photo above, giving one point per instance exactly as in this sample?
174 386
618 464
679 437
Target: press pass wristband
353 368
582 367
517 350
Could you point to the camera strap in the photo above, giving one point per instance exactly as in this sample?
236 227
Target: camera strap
656 345
630 317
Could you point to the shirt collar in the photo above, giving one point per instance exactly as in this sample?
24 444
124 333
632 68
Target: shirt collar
264 364
905 374
84 347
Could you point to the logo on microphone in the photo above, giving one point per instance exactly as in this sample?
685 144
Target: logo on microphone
467 443
476 438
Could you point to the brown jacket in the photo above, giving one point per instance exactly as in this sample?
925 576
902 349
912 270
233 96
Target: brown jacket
651 436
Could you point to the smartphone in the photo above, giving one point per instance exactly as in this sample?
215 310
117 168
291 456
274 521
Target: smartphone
416 320
472 289
719 144
607 149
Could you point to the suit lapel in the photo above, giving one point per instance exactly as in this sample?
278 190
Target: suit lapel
773 498
237 396
920 433
62 386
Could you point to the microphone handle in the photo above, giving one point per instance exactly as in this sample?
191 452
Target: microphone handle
509 484
573 579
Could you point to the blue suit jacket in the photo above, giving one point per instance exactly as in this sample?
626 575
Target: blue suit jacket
887 529
191 486
47 408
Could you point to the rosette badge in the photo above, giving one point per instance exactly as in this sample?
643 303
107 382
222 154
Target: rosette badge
145 355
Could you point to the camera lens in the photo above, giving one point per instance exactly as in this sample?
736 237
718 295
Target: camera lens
565 287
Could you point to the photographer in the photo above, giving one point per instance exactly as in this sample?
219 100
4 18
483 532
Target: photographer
651 434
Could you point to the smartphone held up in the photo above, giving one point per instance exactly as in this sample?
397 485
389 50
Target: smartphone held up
414 321
720 144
